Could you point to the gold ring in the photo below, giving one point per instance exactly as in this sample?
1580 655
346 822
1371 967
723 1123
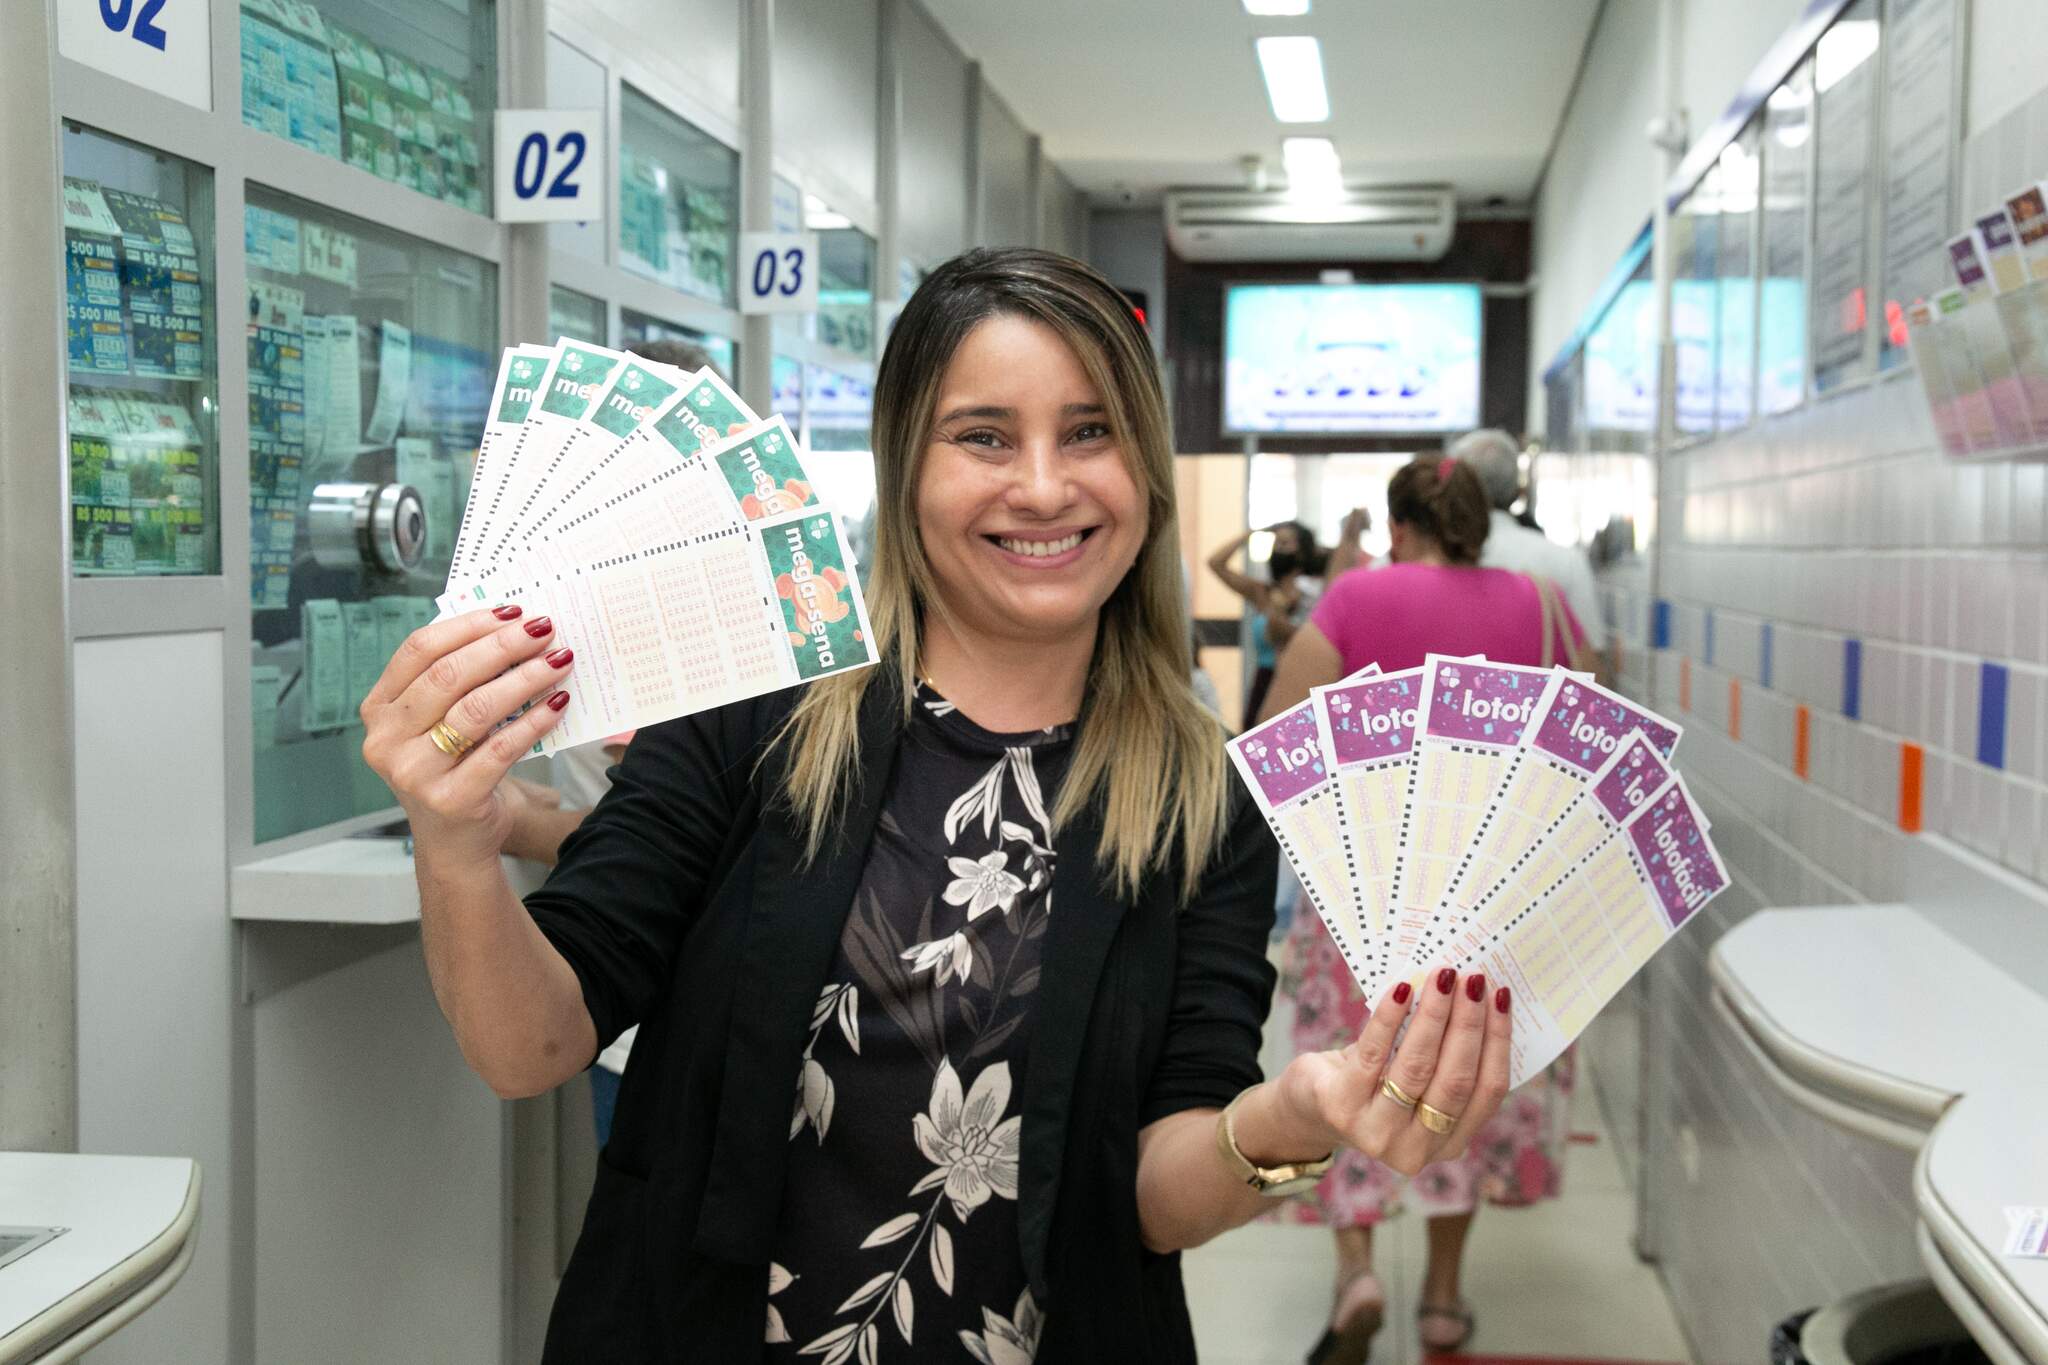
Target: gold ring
1397 1094
1434 1119
449 740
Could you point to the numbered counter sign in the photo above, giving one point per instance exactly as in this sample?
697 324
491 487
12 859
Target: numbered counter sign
549 166
161 45
778 272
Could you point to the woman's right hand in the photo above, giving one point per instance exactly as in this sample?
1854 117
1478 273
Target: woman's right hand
471 671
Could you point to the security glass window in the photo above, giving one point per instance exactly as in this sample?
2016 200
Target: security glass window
1737 292
638 327
574 315
678 201
846 290
1695 303
837 410
786 391
1787 180
404 92
371 360
141 327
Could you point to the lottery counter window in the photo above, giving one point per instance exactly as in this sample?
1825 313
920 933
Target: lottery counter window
678 201
371 360
636 327
404 92
575 315
140 329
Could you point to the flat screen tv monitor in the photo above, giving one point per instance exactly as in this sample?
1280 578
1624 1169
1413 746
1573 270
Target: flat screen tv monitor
1351 358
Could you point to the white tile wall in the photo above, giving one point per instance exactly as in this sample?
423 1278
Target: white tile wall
1840 521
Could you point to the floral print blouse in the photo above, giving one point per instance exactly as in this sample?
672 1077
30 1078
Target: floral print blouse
898 1234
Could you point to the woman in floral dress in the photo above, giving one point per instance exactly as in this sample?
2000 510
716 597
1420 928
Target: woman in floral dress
1432 598
950 972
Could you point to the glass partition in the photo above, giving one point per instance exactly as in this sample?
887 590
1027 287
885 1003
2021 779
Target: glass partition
1787 146
637 327
1735 363
1845 85
371 359
837 409
678 200
141 319
574 314
846 290
786 391
1695 309
404 92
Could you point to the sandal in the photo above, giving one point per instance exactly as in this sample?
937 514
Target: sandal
1460 1315
1361 1307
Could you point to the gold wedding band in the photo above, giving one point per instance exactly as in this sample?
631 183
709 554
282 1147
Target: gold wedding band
1434 1119
449 740
1397 1094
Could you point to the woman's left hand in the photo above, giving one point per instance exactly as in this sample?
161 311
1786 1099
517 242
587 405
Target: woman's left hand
1452 1063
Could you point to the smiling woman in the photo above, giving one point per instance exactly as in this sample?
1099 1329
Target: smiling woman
885 1102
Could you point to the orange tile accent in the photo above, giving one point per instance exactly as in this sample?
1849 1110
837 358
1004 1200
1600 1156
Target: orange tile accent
1684 682
1735 708
1911 761
1802 743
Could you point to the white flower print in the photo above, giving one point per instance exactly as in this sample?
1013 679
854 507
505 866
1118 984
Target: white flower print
983 886
1570 696
1450 677
778 1280
1007 1341
1340 703
952 955
975 1155
1255 749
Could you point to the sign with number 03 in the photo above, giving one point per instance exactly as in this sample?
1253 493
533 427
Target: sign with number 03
161 45
778 272
549 165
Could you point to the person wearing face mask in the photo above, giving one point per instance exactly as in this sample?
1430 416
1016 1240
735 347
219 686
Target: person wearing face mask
949 972
1280 602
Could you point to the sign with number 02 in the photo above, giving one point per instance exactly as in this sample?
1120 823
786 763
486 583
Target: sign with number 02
549 165
161 45
778 272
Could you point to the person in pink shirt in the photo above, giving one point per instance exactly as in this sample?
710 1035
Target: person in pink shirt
1433 598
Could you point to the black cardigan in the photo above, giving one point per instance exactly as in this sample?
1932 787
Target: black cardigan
681 904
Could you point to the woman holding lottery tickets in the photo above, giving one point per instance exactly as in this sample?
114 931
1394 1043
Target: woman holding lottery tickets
949 973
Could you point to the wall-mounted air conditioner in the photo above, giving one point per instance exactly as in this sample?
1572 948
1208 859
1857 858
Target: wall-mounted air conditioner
1268 225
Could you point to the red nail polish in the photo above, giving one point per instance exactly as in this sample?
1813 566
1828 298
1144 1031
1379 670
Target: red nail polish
539 626
1475 987
1500 999
508 612
1401 993
558 701
1446 979
561 657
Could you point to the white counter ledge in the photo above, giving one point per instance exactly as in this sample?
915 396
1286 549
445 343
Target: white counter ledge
128 1223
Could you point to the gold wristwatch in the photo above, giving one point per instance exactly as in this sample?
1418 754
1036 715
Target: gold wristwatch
1276 1181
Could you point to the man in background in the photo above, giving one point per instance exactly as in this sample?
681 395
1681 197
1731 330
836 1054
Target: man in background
1496 458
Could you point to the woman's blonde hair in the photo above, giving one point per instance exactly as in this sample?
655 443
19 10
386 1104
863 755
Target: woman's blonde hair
1145 750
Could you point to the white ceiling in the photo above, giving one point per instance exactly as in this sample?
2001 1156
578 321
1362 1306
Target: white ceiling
1133 96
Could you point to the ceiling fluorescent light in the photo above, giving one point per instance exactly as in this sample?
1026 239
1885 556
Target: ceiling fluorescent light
1276 9
1293 68
1312 167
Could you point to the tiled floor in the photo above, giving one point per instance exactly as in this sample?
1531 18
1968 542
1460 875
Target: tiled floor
1558 1280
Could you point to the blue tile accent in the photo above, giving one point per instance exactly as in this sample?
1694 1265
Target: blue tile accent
1992 680
1710 637
1660 624
1852 679
1766 665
